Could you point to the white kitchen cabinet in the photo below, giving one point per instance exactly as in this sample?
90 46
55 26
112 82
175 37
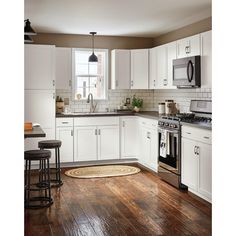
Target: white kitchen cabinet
153 68
65 133
108 142
39 66
188 47
148 143
161 65
85 143
63 68
206 59
129 137
120 69
139 68
197 161
96 138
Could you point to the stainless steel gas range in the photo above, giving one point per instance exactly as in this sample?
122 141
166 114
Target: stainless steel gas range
169 136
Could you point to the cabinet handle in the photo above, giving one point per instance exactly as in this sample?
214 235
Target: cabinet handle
53 96
53 83
206 137
188 133
132 83
186 49
99 132
70 84
65 122
198 150
96 132
148 135
71 133
123 123
195 150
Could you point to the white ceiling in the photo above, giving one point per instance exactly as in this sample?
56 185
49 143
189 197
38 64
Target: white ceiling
142 18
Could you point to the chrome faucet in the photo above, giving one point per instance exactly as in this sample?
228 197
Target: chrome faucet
90 100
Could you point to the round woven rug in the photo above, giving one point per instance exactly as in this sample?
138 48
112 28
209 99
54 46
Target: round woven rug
102 171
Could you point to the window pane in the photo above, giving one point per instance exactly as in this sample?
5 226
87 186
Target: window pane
81 69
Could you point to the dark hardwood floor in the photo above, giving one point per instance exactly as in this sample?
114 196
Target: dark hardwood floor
140 204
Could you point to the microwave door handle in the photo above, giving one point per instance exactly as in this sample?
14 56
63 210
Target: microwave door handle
190 64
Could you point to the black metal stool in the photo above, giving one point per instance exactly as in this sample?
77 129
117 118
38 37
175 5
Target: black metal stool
37 195
54 144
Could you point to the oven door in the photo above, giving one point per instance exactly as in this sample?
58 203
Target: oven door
171 161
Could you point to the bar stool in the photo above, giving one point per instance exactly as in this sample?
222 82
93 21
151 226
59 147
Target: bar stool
37 195
54 144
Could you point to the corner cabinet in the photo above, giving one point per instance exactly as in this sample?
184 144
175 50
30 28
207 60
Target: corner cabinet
63 68
148 143
139 68
96 138
197 161
188 47
129 137
39 66
120 69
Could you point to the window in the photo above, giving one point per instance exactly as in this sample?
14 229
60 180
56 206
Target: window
90 77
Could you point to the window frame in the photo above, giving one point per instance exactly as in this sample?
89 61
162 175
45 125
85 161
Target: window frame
105 72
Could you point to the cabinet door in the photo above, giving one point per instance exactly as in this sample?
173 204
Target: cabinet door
39 67
189 164
162 80
129 137
153 159
205 170
206 59
40 107
120 69
171 55
108 142
153 68
63 68
139 69
65 134
85 143
145 146
189 46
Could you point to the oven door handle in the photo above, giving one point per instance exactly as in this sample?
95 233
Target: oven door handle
169 130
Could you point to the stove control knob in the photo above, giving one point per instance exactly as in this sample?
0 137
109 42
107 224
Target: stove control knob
166 124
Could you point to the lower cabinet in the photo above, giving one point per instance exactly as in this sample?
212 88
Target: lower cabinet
65 133
129 137
96 139
148 143
197 161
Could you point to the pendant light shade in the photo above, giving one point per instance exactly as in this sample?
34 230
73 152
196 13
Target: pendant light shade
93 57
28 29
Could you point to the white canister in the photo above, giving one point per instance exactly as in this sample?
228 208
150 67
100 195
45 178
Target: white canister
168 106
161 108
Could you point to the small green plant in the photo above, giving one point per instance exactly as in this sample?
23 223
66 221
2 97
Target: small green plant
59 99
137 102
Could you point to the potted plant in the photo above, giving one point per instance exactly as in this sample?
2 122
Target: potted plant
137 103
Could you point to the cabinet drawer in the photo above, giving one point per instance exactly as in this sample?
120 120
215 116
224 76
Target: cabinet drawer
198 134
114 120
150 123
62 122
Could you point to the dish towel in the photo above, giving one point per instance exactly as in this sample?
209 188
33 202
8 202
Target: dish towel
164 144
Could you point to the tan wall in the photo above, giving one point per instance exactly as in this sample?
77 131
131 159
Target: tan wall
201 26
85 41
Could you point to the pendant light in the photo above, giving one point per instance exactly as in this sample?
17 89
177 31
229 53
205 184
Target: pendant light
28 29
93 57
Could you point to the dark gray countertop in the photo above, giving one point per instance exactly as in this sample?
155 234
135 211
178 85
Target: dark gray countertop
145 114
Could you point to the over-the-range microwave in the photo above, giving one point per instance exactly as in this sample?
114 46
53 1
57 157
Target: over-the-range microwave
187 72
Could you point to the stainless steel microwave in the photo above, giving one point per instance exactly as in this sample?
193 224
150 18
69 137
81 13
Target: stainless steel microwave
187 72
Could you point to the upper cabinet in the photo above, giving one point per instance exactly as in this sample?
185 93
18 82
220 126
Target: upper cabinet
139 68
120 69
206 57
39 67
160 66
188 47
63 68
